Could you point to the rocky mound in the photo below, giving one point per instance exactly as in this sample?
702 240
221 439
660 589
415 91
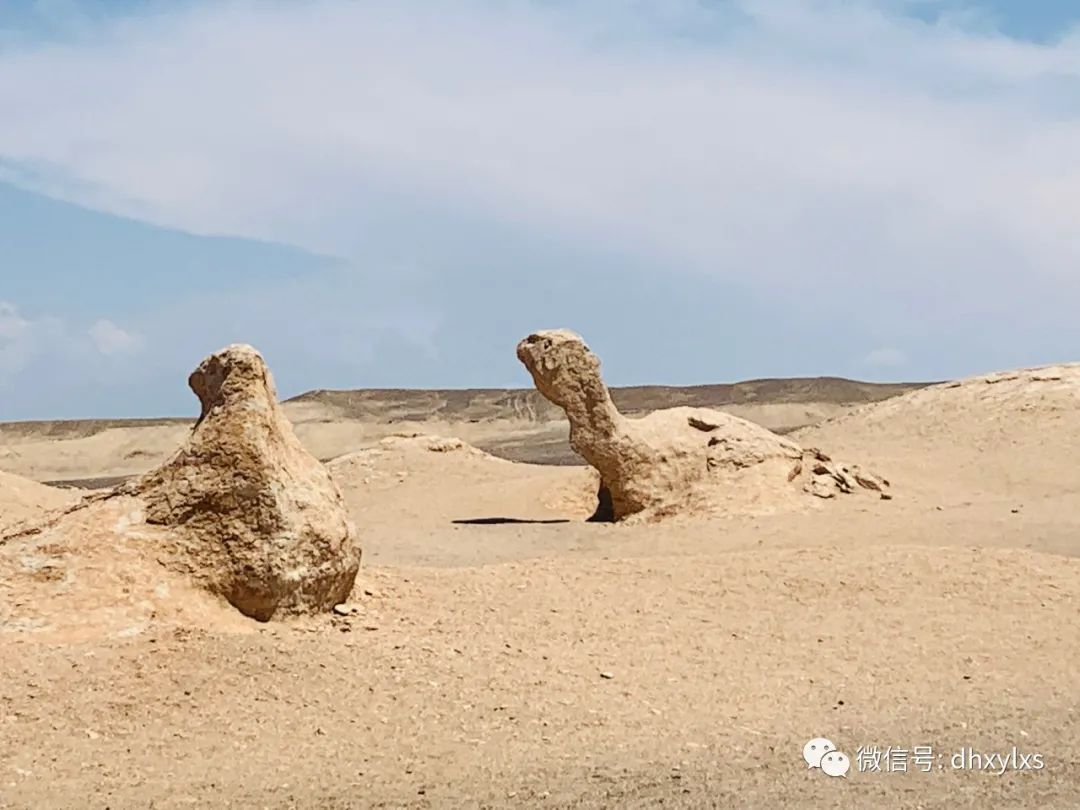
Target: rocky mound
977 404
406 457
416 479
676 460
240 510
22 499
1010 434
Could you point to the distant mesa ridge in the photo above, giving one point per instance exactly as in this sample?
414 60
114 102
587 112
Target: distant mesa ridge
629 399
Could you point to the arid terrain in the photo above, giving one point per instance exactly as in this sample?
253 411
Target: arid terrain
516 424
499 650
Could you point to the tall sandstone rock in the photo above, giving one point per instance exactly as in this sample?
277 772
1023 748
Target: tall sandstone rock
253 515
241 509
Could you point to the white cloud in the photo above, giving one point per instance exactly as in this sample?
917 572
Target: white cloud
48 346
109 339
14 348
12 325
829 149
24 340
886 358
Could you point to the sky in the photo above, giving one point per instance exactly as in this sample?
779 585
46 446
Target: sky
382 194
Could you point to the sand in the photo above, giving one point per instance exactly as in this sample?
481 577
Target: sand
21 499
501 652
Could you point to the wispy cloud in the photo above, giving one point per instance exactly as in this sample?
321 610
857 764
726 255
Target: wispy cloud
110 340
54 345
13 339
24 340
12 325
886 358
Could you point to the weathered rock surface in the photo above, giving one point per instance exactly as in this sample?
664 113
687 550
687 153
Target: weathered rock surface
255 517
679 459
241 510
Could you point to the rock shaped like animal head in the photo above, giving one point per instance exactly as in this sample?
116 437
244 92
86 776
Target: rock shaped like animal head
563 368
237 372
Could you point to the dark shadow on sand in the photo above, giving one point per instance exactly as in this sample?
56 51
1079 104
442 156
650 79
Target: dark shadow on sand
499 521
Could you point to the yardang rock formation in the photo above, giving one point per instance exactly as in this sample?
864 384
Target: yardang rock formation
257 516
678 460
241 509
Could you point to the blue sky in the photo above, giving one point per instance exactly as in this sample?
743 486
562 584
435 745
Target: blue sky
388 194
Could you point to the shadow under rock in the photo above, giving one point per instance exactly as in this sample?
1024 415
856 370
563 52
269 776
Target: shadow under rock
499 521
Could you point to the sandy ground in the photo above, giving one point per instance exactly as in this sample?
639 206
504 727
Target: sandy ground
501 652
22 499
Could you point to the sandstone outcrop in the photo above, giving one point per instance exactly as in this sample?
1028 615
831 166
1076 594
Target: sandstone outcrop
255 516
240 509
676 460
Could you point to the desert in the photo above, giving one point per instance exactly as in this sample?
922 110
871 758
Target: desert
531 404
504 644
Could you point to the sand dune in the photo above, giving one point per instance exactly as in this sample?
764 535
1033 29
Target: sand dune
22 499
